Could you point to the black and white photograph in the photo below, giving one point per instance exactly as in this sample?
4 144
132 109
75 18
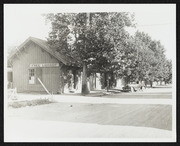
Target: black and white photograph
90 73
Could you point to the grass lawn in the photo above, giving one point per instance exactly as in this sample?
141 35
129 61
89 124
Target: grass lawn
35 102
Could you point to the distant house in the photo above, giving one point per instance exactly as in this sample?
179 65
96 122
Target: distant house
34 63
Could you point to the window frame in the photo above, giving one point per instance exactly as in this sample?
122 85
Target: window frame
34 72
31 72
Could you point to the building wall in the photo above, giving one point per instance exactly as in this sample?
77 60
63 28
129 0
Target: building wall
34 54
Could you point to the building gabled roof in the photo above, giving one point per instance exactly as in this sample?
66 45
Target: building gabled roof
44 45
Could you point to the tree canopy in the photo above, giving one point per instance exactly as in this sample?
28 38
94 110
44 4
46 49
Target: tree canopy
99 42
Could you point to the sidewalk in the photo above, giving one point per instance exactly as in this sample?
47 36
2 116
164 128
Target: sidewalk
97 100
147 96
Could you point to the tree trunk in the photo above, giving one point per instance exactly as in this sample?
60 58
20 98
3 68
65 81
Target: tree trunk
103 80
111 80
75 79
85 89
107 82
95 80
151 83
125 81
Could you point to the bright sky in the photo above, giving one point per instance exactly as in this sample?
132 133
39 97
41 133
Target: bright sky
24 20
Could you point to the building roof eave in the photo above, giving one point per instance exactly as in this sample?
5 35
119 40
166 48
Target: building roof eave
43 44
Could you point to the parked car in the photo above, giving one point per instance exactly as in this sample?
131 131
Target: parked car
137 86
127 88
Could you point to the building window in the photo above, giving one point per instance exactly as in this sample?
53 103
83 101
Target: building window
31 76
34 74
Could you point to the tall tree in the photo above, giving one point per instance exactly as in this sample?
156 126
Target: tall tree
151 59
96 39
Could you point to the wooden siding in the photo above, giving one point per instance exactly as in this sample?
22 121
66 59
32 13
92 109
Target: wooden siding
34 54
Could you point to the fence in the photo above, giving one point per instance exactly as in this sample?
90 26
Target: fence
12 94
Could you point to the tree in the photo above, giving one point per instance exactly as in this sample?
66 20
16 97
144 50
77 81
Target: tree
96 39
168 72
151 60
115 42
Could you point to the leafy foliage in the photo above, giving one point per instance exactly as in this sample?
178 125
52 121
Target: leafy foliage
152 63
99 42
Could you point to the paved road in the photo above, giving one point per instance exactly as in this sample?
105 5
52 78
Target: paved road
155 116
128 110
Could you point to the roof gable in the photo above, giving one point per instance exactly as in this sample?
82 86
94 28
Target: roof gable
44 45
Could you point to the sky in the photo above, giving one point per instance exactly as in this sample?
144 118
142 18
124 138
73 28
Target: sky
24 20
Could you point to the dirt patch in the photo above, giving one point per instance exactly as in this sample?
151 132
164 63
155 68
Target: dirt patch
19 104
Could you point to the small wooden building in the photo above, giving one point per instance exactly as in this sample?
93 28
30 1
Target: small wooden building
35 62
